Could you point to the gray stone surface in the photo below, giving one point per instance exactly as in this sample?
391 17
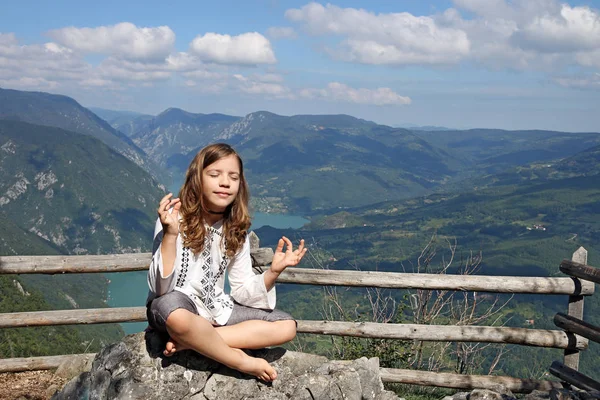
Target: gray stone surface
75 366
136 369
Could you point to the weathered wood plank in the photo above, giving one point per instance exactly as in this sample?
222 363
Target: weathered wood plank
139 262
573 377
575 309
37 363
397 280
445 333
74 264
527 337
69 317
459 381
580 270
578 326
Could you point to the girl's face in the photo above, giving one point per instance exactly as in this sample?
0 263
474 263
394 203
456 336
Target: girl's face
221 183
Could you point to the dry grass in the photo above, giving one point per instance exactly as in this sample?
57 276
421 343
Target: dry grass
30 385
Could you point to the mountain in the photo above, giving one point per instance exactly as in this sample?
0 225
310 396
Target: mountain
522 229
494 150
64 112
127 122
175 131
73 191
307 163
62 192
584 163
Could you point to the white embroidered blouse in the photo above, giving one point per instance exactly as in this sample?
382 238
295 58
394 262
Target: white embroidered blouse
202 276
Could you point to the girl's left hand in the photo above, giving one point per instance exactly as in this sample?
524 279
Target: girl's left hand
291 257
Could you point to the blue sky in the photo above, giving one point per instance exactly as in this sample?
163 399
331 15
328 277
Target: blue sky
512 64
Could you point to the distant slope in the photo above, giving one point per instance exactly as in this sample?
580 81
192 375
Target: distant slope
493 150
584 163
73 191
64 112
127 122
175 131
307 163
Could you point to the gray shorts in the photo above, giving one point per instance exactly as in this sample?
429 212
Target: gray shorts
161 307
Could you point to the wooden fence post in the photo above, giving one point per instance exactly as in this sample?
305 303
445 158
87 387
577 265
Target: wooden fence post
571 359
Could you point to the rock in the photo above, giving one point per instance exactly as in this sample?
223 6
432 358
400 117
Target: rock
563 394
51 390
537 395
254 241
486 394
135 369
262 257
458 396
75 366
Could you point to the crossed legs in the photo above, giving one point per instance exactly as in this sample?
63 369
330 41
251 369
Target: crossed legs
190 331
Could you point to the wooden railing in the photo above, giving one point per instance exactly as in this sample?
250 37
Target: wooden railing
574 324
573 338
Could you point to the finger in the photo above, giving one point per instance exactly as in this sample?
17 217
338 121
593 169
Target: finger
301 247
279 248
165 199
301 255
288 242
177 205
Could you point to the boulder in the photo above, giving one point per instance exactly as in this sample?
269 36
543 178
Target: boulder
136 369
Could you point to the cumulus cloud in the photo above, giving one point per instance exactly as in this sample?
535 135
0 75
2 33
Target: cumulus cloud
527 34
518 34
340 92
246 49
580 82
281 32
262 84
124 40
399 38
39 64
572 29
123 70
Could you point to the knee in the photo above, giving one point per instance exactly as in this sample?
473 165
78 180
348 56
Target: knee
287 330
178 322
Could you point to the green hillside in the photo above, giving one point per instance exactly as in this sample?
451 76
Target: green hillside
498 222
66 193
74 191
309 163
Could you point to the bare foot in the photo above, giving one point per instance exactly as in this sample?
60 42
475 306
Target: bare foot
173 347
257 367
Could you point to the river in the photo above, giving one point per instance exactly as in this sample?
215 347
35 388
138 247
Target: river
129 289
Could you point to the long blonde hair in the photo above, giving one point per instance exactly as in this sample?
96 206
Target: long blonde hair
236 219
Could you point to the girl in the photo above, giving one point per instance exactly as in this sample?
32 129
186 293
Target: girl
197 239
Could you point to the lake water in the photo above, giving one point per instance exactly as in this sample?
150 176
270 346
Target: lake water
129 289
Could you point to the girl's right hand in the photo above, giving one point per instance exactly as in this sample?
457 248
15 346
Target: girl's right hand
169 220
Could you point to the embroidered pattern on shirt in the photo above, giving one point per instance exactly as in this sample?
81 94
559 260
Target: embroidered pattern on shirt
185 259
209 279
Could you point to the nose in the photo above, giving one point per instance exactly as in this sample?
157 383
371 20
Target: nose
224 181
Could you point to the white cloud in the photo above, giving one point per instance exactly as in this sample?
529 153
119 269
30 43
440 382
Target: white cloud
580 82
45 63
340 92
572 29
262 84
399 38
8 39
248 48
281 32
516 34
123 70
589 59
124 40
27 83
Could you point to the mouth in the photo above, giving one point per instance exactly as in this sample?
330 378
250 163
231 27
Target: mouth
222 194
